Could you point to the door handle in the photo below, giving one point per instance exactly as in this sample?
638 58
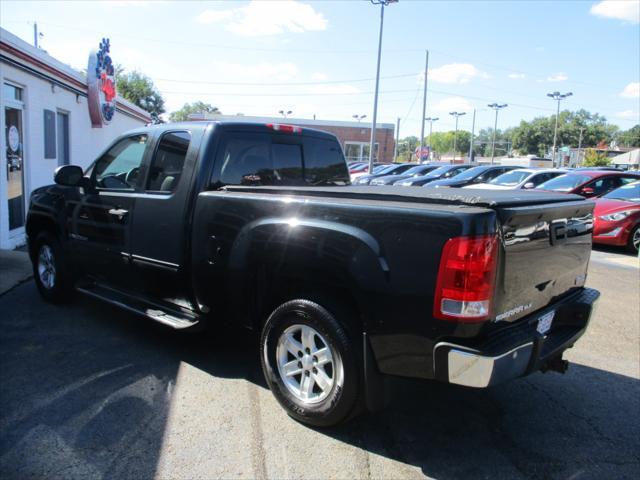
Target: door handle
118 212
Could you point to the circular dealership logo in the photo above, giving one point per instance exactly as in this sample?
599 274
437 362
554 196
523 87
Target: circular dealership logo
101 80
14 138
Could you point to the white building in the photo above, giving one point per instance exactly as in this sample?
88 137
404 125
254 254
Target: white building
44 117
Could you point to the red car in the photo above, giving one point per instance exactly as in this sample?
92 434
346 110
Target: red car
617 217
589 183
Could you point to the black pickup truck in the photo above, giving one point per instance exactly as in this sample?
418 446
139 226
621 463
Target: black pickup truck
197 224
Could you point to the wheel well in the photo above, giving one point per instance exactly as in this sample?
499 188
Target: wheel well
37 225
273 289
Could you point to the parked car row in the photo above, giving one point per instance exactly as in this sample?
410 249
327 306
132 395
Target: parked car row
617 193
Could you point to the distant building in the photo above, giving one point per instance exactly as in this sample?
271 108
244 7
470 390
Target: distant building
354 137
45 120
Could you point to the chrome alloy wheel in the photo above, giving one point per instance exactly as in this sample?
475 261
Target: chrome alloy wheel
306 364
636 239
46 267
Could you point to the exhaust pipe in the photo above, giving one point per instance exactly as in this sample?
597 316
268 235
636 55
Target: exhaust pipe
556 364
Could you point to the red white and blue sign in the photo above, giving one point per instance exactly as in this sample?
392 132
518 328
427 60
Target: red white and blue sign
101 83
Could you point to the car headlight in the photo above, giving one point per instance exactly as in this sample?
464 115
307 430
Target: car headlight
616 217
377 182
408 183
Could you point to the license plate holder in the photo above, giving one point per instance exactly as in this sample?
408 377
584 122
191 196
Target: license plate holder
545 321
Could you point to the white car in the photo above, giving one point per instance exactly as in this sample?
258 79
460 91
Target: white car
525 178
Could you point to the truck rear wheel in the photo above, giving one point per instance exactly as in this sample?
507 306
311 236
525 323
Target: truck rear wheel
309 363
51 273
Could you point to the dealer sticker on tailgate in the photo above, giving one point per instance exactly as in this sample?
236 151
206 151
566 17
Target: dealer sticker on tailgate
544 322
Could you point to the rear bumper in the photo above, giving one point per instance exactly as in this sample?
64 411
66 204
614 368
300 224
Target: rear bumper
516 350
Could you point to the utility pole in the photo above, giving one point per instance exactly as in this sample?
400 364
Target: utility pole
455 137
35 34
473 129
497 108
372 144
395 147
424 103
579 147
558 97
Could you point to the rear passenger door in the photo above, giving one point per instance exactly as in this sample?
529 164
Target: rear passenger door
160 220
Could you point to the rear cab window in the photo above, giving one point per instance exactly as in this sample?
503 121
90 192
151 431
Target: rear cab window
258 159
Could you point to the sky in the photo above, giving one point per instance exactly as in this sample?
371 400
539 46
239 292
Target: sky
319 57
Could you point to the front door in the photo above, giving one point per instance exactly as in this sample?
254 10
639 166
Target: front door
101 221
14 158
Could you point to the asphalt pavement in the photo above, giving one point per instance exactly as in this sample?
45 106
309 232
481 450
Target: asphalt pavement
89 391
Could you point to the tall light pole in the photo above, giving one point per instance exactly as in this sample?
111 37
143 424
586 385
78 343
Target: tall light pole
558 97
424 104
395 145
285 113
579 147
473 131
359 117
455 137
431 120
497 107
372 144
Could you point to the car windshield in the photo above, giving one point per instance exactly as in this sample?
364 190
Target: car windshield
382 168
470 173
419 169
438 171
628 193
564 183
510 179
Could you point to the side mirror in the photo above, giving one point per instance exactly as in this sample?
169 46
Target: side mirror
68 176
587 191
529 185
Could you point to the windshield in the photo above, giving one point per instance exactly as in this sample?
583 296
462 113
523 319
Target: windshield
628 193
438 171
382 168
470 173
423 169
510 179
564 183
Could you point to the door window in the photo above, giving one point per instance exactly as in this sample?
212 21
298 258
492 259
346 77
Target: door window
14 158
62 131
168 162
118 168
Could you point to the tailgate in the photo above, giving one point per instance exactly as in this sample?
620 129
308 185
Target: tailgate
546 255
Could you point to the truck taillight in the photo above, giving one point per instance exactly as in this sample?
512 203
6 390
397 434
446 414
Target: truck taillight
466 279
278 127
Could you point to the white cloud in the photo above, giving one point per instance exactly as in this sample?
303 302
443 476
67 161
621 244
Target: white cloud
558 77
454 73
267 18
626 10
264 70
453 104
631 91
337 89
628 115
319 77
516 76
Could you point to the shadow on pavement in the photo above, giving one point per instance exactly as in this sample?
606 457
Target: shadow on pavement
86 392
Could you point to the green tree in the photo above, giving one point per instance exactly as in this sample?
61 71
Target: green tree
629 138
406 147
189 108
593 158
442 142
140 90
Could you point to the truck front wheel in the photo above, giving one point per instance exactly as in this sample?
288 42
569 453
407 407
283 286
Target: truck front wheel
50 271
310 363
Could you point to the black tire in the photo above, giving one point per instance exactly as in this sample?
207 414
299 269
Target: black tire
630 246
61 288
341 402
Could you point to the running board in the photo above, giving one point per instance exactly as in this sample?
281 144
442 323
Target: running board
179 320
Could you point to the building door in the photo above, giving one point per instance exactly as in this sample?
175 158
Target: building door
62 132
14 156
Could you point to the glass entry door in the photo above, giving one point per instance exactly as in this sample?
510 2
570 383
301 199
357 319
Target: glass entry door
14 161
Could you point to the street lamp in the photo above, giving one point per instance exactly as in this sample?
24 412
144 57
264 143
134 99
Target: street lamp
284 114
497 107
455 137
382 3
557 96
359 117
430 120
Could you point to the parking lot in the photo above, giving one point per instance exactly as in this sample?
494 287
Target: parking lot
89 391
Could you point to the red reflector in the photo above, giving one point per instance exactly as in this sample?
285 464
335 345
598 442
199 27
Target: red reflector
466 279
278 127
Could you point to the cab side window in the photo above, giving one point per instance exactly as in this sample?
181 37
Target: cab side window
119 168
168 163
